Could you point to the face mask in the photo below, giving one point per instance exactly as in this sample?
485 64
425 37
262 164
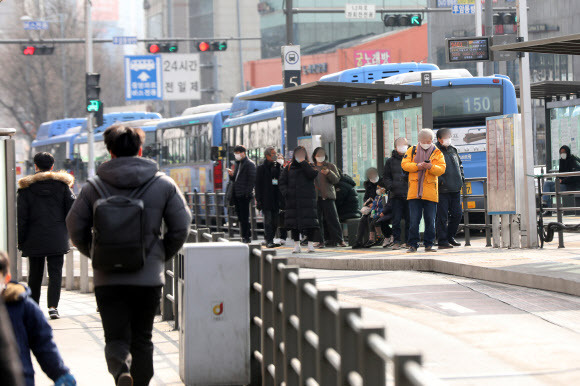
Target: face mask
447 142
238 156
374 180
426 146
280 161
379 192
320 159
563 155
300 158
401 149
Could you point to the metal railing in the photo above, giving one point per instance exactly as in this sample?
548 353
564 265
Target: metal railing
300 334
466 197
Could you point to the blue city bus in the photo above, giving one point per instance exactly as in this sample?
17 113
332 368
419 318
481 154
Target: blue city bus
320 119
462 104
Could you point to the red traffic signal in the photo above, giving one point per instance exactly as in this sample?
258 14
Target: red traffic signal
153 48
203 46
156 48
37 49
212 46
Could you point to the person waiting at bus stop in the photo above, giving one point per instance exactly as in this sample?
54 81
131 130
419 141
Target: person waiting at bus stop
397 185
450 183
267 176
568 163
244 178
424 163
297 187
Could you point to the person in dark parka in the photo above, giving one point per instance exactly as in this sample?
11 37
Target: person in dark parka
347 198
370 184
244 179
10 363
44 200
397 184
568 163
267 193
297 186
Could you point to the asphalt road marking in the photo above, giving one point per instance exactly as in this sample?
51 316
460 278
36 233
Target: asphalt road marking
455 307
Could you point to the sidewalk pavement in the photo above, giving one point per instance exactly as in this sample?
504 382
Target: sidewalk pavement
79 337
549 269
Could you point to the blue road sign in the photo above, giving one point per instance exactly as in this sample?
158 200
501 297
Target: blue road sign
143 78
463 9
122 40
35 25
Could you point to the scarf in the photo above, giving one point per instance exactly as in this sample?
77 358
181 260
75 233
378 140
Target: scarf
422 156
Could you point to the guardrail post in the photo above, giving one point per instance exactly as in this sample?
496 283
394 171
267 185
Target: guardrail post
306 314
399 361
200 232
326 331
196 206
486 216
277 279
218 209
371 366
207 210
253 223
255 311
229 210
347 343
466 226
216 236
84 280
19 270
267 321
289 333
559 213
166 304
70 270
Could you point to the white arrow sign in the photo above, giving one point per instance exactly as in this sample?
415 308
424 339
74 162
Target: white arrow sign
143 77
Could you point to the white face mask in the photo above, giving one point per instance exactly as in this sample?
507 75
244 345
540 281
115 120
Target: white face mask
320 159
563 155
280 161
374 180
426 146
300 158
379 192
402 149
447 142
238 156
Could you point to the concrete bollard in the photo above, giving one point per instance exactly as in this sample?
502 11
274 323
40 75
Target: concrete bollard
70 270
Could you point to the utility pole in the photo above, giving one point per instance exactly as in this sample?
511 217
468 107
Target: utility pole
478 31
89 64
64 72
528 219
289 23
488 30
241 52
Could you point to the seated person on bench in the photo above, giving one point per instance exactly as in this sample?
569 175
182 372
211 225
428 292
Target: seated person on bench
568 163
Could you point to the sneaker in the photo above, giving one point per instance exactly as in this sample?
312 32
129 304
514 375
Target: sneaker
281 242
454 242
296 248
317 245
370 243
380 240
311 247
411 250
272 245
430 249
342 244
304 242
388 242
125 379
444 246
53 313
396 247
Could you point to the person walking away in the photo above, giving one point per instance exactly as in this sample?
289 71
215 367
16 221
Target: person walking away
568 163
328 176
31 330
370 185
267 176
424 163
128 297
449 210
243 177
297 187
44 200
397 184
347 204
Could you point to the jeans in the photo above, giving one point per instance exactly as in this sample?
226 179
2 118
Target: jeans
242 205
270 225
422 208
550 186
127 313
36 273
449 214
400 212
328 216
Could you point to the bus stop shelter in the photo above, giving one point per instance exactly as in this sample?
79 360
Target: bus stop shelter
369 117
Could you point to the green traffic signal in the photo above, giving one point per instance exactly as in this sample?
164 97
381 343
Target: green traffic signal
94 106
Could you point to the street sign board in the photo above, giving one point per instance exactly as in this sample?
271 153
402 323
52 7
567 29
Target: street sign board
504 56
181 77
463 7
360 11
470 49
291 58
143 77
122 40
35 25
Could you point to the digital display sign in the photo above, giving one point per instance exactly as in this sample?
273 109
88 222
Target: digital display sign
471 49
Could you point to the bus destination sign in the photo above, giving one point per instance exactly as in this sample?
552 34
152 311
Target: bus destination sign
470 49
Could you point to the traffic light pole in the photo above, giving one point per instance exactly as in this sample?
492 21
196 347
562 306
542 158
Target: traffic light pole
89 60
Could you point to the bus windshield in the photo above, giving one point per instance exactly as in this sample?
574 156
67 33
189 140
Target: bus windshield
465 102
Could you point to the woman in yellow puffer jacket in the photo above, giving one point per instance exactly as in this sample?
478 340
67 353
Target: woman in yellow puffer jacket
424 163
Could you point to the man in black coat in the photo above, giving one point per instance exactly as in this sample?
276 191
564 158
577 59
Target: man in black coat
397 184
267 194
244 178
44 200
449 210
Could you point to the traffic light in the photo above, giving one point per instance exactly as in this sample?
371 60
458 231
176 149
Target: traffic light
93 93
155 48
402 20
506 18
205 46
37 49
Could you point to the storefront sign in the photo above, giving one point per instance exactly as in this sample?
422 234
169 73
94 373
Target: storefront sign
366 57
318 68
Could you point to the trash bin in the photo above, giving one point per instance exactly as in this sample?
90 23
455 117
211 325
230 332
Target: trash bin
214 314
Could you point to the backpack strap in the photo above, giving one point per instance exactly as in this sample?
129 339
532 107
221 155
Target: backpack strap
137 193
99 186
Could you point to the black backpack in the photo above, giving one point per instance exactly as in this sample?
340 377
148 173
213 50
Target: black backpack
118 243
